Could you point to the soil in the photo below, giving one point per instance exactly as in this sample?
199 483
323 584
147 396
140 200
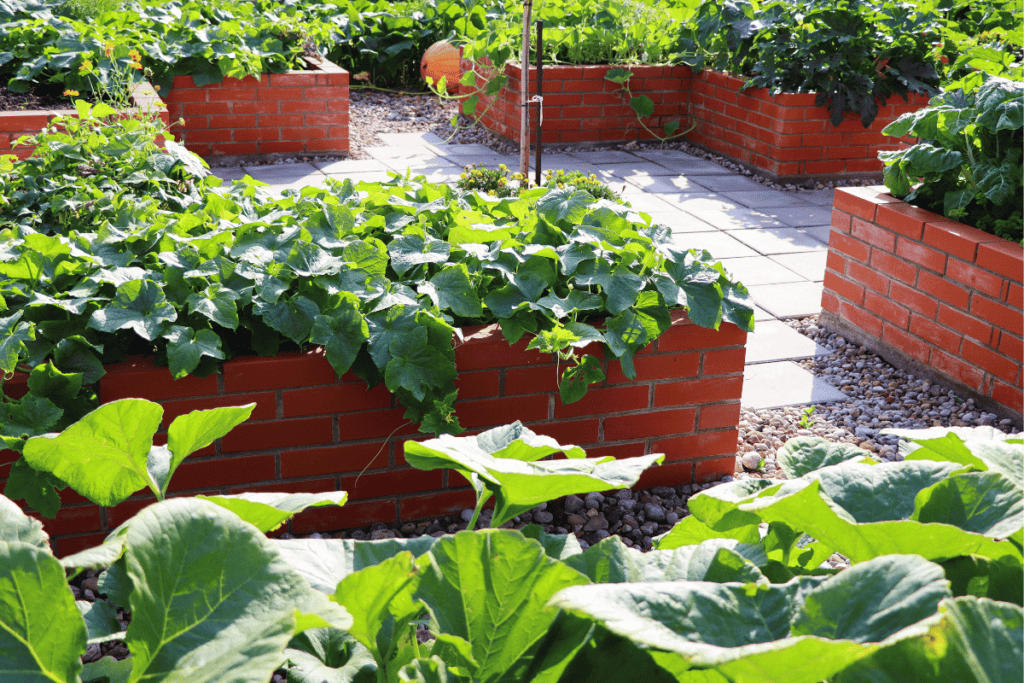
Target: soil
41 99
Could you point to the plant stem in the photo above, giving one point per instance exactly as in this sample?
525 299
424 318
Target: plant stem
479 508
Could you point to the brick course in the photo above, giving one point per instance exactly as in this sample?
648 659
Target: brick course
956 309
312 431
285 113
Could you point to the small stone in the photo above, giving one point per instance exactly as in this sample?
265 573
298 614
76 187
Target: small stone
466 515
543 517
573 503
654 512
596 523
671 518
575 520
751 461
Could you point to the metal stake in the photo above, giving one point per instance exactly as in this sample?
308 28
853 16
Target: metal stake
540 93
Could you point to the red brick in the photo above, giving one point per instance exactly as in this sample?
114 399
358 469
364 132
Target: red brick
208 109
322 485
907 343
723 362
974 277
861 318
260 436
717 416
1011 346
991 361
485 348
257 134
687 336
704 390
377 424
605 401
913 299
862 274
861 201
662 366
873 234
349 516
221 135
849 246
834 261
339 398
654 423
231 95
579 432
905 219
1003 257
436 504
1011 397
965 324
271 107
483 384
844 287
694 446
71 520
535 380
632 449
334 459
1015 295
233 121
491 412
391 483
304 106
141 379
887 310
672 474
923 256
943 289
957 369
940 336
997 314
956 239
266 405
894 267
194 474
841 221
69 545
283 371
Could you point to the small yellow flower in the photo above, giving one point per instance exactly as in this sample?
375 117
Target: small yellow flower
134 56
136 66
71 93
86 66
108 49
463 176
156 87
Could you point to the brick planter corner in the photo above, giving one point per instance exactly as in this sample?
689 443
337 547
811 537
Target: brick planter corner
313 432
272 116
936 297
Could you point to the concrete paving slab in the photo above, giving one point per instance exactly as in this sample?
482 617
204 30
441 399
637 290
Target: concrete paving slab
442 148
678 221
774 340
641 201
801 217
770 241
638 168
790 300
809 264
784 383
272 172
656 154
277 189
761 314
728 183
606 156
438 163
666 184
565 162
694 167
373 177
722 213
760 270
386 154
719 244
402 139
350 166
228 172
819 232
763 199
817 197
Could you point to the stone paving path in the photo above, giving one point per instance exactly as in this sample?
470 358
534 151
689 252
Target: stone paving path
774 242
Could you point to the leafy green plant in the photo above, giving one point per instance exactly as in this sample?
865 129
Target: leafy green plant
500 183
969 159
643 107
806 421
508 463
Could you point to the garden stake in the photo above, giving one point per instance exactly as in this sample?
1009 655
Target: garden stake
524 95
540 93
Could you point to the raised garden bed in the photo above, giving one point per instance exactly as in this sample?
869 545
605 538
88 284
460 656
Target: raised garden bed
15 124
313 432
270 116
931 295
785 137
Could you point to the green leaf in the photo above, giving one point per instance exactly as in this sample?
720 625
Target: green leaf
577 378
196 567
16 526
642 105
325 562
198 429
107 670
293 318
804 454
218 303
565 204
48 382
619 76
100 620
455 292
139 305
76 354
692 531
37 488
268 511
803 631
490 588
329 655
557 546
417 366
42 634
102 456
411 250
517 483
620 285
13 335
342 332
187 346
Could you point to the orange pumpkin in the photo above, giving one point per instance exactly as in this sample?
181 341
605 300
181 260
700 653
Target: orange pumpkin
442 59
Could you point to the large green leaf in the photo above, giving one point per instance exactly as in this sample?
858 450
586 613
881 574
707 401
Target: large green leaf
15 525
342 331
805 454
564 204
104 455
692 531
139 305
198 429
328 655
268 511
195 568
803 631
324 562
186 347
455 292
100 620
417 366
42 634
518 483
490 588
13 335
983 448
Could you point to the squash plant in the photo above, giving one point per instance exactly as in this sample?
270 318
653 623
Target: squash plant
379 274
212 599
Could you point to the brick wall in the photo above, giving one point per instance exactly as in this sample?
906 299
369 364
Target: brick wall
928 293
313 432
273 115
14 124
786 135
581 106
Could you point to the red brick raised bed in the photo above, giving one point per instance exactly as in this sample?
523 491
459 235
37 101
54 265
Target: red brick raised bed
313 432
14 124
784 137
937 297
581 106
273 115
